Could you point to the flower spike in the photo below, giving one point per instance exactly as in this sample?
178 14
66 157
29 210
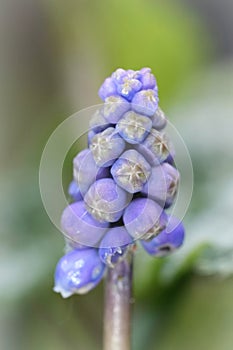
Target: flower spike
122 185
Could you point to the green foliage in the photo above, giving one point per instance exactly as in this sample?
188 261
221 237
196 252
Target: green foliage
133 34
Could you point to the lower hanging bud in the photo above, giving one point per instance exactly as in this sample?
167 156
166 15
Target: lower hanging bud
78 272
115 245
167 241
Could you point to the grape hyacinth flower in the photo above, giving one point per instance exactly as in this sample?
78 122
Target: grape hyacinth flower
98 122
114 245
145 102
144 218
114 108
166 241
156 148
162 185
106 201
81 227
131 171
128 87
159 120
122 185
78 272
106 147
86 170
134 127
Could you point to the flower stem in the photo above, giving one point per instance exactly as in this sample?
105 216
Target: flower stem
118 296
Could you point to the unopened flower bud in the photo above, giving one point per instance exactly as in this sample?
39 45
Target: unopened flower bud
134 127
108 88
156 147
143 218
78 272
106 201
159 120
114 108
145 102
167 241
162 185
106 147
131 171
79 226
114 245
86 171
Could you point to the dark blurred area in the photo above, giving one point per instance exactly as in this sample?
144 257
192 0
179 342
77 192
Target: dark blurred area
53 57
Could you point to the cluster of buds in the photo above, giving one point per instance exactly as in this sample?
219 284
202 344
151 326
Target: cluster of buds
122 185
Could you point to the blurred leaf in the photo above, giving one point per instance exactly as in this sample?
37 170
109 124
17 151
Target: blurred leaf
208 135
201 317
29 247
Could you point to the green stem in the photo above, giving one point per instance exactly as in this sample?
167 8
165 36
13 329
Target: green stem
118 296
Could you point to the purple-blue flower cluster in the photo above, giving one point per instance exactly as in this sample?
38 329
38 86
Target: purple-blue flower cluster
122 185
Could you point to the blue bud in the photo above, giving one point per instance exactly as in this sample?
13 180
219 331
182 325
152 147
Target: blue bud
106 201
108 88
145 102
143 218
156 148
74 191
129 87
163 184
121 74
98 122
86 171
114 246
114 108
159 120
148 81
79 226
131 171
106 147
134 127
78 272
133 74
167 241
118 75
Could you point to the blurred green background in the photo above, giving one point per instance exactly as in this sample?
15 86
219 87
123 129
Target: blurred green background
53 57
